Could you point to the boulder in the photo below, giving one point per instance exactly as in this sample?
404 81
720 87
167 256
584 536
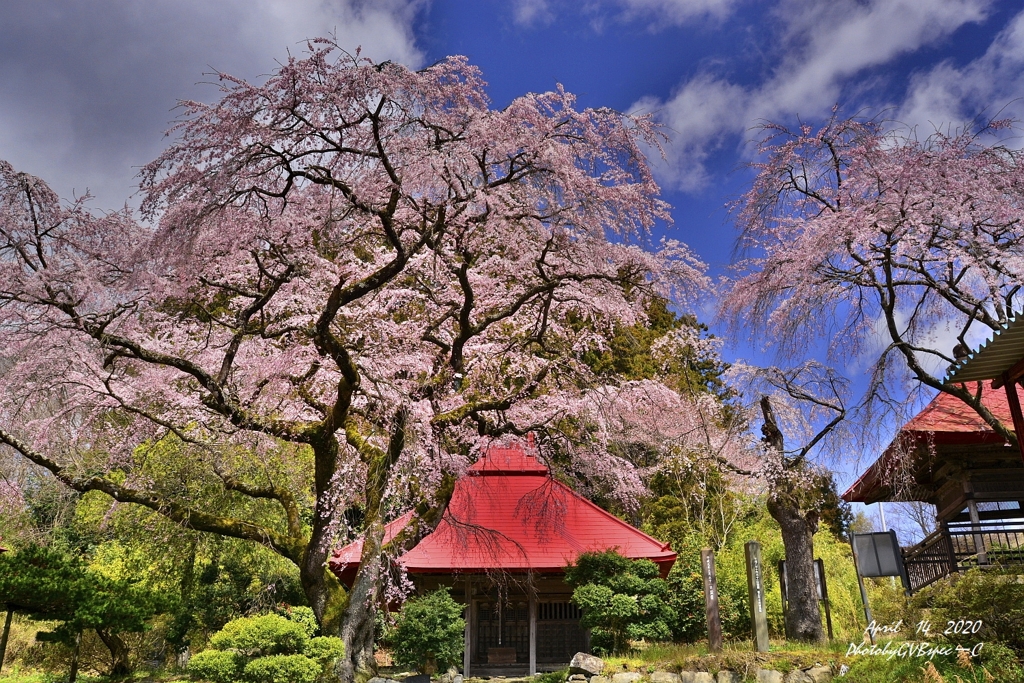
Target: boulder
820 674
626 677
729 677
601 679
768 676
585 664
798 676
686 676
703 677
577 677
665 677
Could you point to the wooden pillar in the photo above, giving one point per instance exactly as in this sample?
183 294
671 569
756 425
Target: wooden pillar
533 631
755 586
979 542
823 594
707 564
468 637
1015 412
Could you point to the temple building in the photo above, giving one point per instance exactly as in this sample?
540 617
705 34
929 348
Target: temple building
502 547
949 457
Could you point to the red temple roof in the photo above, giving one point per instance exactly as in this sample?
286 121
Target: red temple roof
945 421
508 514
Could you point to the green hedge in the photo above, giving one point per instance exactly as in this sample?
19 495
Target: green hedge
267 649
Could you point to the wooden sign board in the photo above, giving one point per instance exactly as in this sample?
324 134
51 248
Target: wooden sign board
707 566
755 588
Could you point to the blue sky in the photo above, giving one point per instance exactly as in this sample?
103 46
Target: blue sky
87 89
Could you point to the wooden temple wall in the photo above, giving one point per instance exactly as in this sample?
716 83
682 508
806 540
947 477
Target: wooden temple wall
517 623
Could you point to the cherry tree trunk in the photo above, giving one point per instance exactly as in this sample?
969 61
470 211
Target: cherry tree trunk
119 666
803 620
357 664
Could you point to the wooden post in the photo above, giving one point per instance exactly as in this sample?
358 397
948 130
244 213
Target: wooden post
533 631
7 632
863 592
1010 386
467 639
755 587
823 595
979 542
951 554
707 564
783 587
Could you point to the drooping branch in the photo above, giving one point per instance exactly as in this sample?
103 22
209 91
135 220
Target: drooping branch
187 517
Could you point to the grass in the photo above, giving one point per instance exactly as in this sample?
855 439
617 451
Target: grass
735 656
996 664
16 674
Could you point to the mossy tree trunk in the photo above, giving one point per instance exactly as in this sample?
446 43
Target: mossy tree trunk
791 503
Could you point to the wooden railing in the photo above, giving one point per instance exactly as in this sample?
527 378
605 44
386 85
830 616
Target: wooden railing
958 546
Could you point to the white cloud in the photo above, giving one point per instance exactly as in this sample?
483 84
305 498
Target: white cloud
694 118
532 12
821 48
991 85
678 11
830 42
87 89
660 13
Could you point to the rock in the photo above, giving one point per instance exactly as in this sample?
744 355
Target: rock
376 679
457 678
601 679
729 677
665 677
798 676
686 676
418 678
585 664
703 677
768 676
626 677
577 677
820 674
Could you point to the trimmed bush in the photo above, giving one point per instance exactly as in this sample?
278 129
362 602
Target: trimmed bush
267 649
303 616
282 669
430 629
261 636
621 599
219 666
325 649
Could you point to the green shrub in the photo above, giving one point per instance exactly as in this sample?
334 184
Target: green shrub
269 634
267 649
303 616
219 666
430 629
996 664
621 599
281 669
993 597
325 649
